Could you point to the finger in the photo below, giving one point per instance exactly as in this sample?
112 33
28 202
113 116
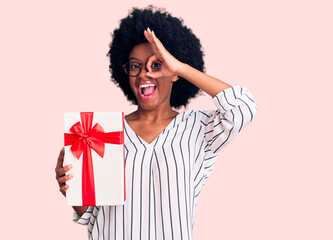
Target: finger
62 170
148 36
156 41
150 33
61 157
60 160
154 74
64 179
151 37
63 189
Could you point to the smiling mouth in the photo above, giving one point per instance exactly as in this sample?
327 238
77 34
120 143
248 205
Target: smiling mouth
147 90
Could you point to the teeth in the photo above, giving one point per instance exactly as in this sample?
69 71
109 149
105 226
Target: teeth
147 85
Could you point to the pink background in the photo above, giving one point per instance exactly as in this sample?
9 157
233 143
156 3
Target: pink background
274 181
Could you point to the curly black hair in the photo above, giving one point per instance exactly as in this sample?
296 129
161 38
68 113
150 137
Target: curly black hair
176 38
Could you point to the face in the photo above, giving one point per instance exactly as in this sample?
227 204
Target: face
151 94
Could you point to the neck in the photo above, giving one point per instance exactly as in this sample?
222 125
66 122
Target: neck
157 114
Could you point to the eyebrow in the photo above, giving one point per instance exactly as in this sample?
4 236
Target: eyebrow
133 58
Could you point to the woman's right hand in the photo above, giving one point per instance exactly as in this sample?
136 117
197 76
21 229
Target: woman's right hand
60 172
170 65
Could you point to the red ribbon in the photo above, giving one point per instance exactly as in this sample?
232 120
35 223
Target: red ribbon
83 139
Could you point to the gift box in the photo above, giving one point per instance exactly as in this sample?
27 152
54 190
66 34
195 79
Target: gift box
94 145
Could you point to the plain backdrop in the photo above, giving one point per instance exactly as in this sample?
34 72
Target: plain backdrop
274 181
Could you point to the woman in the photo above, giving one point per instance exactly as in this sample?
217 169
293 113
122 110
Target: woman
169 155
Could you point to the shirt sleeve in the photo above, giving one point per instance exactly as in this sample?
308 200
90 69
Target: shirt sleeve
236 108
85 218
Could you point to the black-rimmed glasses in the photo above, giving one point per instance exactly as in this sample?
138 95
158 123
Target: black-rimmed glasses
133 67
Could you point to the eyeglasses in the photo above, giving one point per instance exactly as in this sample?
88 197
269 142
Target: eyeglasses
133 67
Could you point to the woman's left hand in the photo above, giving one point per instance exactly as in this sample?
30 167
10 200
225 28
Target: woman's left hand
170 65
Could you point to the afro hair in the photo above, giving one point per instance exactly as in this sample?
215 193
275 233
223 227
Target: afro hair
176 38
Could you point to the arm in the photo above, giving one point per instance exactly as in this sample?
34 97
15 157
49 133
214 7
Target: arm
172 67
209 84
236 107
80 210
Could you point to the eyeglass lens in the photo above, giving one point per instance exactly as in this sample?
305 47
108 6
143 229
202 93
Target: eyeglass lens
133 68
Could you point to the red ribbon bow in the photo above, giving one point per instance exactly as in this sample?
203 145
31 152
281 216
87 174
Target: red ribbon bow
83 139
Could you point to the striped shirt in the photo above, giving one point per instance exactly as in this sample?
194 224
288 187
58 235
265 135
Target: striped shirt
164 178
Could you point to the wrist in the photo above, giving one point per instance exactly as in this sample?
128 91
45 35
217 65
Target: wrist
181 70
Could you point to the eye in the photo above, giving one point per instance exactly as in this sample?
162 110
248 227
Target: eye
134 65
156 66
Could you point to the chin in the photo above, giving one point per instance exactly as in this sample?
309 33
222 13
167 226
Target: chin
148 106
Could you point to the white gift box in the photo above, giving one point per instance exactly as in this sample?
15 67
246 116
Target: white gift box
108 180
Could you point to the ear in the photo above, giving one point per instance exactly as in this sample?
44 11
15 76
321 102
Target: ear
174 78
